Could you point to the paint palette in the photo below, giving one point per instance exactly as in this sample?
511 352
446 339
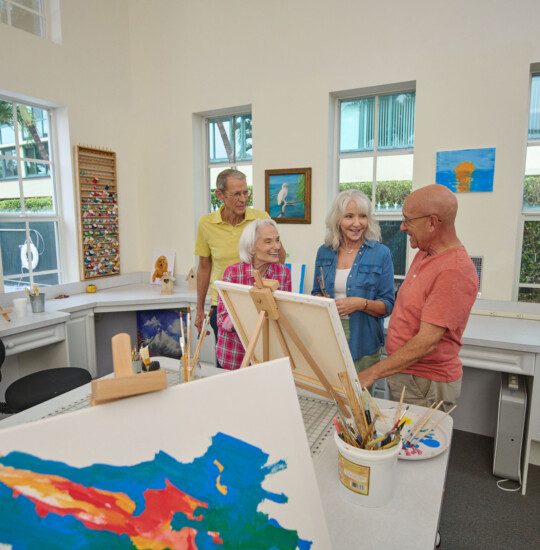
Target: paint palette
422 448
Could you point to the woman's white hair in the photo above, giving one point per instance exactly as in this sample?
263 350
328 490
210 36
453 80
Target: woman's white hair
334 217
249 238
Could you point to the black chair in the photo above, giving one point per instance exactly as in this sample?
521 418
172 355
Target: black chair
40 386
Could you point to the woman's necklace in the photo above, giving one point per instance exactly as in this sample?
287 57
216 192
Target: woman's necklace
351 250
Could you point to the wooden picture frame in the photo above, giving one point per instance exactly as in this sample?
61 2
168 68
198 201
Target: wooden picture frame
288 195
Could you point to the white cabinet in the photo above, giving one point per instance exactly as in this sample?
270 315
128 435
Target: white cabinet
82 340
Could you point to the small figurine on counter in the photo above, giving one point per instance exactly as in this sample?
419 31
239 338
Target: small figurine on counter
167 283
147 365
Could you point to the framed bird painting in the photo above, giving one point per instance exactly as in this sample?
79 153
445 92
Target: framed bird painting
288 195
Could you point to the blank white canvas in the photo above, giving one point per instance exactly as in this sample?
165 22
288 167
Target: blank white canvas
315 320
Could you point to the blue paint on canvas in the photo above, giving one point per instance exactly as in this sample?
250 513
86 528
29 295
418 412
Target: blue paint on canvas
468 170
212 502
286 196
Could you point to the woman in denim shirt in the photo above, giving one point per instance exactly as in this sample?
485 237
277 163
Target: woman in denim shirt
355 269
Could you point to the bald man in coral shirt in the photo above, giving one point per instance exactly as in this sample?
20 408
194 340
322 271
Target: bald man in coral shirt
432 306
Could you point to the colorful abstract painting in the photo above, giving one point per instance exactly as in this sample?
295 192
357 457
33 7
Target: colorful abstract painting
466 171
159 329
207 465
209 503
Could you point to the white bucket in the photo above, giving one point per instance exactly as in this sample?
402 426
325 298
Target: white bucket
367 478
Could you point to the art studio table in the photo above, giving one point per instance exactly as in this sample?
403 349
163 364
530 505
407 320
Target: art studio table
409 520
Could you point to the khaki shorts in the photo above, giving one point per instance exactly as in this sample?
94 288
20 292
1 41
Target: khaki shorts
422 391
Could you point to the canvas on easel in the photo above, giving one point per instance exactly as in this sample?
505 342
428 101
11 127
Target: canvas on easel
222 462
317 324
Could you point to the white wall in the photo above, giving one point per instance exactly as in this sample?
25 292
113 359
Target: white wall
470 60
88 76
132 81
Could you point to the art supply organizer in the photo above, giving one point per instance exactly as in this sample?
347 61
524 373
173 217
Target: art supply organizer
98 208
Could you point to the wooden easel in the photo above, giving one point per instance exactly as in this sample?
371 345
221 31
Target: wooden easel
125 382
263 299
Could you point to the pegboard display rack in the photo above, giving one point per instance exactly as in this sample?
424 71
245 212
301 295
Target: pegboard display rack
98 212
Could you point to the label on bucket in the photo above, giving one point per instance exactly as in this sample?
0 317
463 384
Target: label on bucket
354 476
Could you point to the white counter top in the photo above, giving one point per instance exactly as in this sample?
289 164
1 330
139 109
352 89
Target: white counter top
31 321
503 332
135 295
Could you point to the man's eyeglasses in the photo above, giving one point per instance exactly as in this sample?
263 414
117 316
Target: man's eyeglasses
238 195
406 220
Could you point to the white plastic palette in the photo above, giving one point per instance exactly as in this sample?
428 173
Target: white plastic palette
421 448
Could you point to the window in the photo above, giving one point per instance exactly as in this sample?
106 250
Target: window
230 145
376 141
28 209
529 272
27 15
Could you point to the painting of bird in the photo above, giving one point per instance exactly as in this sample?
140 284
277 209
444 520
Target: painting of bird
282 195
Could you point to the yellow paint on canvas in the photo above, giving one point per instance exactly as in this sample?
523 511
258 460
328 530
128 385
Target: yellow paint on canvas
463 172
221 488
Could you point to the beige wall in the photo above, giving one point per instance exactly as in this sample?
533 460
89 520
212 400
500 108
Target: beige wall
132 79
88 76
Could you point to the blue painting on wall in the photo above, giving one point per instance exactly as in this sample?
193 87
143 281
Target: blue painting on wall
467 170
159 329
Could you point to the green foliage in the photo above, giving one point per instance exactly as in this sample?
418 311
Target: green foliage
301 194
530 253
33 204
216 203
364 186
529 295
531 191
389 191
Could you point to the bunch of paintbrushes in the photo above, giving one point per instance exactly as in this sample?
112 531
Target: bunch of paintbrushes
189 362
360 431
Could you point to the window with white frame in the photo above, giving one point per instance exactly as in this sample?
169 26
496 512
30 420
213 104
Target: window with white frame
229 145
27 15
529 273
28 210
376 147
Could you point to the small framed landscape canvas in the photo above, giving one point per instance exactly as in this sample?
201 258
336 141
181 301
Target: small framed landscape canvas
288 195
466 171
159 329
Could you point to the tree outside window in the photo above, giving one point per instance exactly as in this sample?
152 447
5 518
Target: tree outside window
376 147
230 145
529 273
28 215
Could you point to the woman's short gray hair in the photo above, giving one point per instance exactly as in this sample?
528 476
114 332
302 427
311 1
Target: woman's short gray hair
333 220
249 238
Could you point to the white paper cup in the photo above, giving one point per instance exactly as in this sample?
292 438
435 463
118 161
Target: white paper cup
20 306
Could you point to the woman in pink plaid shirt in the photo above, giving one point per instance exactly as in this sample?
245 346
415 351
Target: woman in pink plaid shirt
259 249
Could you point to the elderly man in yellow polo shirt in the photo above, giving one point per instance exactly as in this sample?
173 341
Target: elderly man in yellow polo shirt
218 234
